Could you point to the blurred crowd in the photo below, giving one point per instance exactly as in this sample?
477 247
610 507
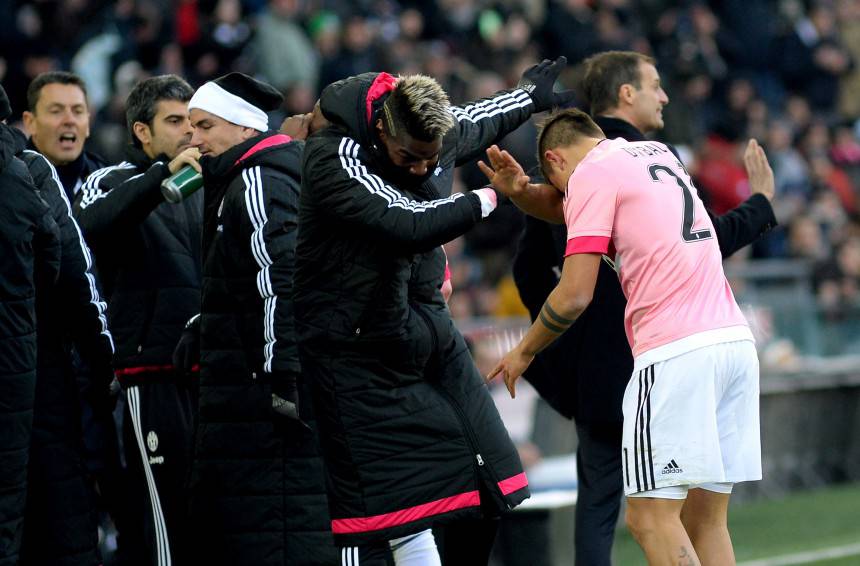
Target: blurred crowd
786 72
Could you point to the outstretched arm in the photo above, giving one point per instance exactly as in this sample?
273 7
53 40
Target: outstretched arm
540 200
567 301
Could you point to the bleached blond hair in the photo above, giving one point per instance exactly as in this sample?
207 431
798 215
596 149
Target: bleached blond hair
419 106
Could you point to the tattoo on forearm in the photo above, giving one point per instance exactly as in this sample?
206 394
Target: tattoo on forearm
553 321
685 558
557 317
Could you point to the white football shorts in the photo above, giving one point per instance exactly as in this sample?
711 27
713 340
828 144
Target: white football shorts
693 420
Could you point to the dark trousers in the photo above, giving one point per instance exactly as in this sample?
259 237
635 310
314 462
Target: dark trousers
600 489
157 439
466 542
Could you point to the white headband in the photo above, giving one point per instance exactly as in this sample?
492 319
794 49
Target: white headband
214 99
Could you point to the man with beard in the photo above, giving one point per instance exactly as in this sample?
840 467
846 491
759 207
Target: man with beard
148 256
410 435
257 483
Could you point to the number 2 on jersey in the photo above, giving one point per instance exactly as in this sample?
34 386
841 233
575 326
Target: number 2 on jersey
689 212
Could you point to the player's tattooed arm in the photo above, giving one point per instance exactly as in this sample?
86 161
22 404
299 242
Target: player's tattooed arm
553 321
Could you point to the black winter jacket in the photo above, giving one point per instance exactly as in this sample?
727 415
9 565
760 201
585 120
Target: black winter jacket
257 484
409 432
29 252
61 520
584 373
148 257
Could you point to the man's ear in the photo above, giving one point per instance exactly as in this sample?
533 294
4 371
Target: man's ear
626 93
142 132
380 129
28 118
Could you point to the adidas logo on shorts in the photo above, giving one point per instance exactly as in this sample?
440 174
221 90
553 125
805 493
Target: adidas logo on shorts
672 468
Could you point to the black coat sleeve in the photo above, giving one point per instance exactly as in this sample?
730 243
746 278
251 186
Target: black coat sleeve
84 312
484 122
110 200
535 266
743 225
337 180
272 220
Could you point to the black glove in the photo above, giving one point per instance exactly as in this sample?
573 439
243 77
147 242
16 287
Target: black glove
285 399
538 81
187 352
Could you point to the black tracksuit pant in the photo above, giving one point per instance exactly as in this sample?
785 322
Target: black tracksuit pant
157 439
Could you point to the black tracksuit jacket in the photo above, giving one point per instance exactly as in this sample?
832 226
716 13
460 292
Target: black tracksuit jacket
62 526
409 432
29 254
149 261
258 495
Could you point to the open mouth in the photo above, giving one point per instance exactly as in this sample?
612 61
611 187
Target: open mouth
68 140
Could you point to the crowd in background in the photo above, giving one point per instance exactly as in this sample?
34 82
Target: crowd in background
786 72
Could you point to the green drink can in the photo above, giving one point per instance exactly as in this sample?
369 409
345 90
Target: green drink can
181 184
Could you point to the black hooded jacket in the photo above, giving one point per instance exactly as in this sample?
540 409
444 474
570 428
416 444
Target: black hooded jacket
257 484
29 254
149 260
409 432
584 373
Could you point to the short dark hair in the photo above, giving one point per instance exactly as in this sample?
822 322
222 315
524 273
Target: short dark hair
563 128
419 106
604 75
34 90
142 101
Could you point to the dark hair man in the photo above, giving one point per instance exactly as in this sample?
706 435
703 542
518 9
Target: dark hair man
691 421
584 374
58 122
410 435
148 255
257 483
29 252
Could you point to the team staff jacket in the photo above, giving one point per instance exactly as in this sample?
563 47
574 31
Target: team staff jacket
148 258
257 488
29 252
409 433
583 374
70 313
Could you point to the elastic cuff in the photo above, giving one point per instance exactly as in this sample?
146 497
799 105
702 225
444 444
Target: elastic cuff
489 200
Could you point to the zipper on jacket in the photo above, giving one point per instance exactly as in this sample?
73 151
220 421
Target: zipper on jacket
473 442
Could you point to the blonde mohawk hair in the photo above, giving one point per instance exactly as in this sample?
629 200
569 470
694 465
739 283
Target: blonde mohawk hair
419 105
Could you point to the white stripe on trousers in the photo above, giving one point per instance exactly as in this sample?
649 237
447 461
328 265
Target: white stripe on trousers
161 542
349 556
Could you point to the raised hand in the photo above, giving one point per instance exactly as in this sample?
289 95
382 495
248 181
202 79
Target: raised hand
759 171
505 175
538 80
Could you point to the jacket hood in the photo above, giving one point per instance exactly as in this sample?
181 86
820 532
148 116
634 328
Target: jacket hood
271 149
351 103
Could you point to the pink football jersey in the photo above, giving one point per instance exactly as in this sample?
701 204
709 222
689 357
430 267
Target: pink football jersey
635 200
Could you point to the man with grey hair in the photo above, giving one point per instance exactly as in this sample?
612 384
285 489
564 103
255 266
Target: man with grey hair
410 435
